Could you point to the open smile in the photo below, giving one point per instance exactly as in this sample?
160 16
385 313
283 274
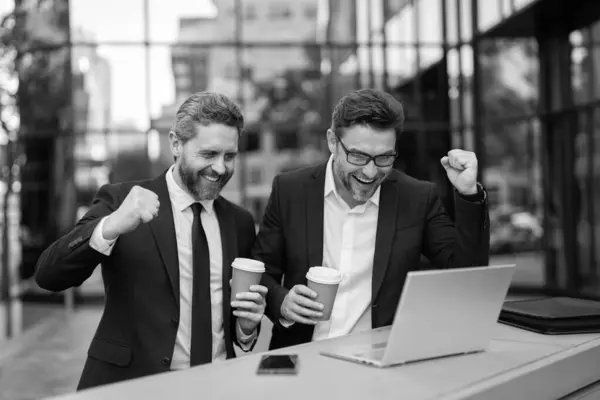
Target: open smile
363 181
211 178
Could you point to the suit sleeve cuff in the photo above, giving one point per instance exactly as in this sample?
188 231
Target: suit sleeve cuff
99 243
245 341
480 197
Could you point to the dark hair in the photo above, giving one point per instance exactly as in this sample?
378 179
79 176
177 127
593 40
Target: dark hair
206 108
370 107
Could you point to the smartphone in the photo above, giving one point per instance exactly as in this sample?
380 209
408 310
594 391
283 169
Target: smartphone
280 364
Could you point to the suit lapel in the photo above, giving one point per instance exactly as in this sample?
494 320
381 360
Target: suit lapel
386 224
315 204
163 229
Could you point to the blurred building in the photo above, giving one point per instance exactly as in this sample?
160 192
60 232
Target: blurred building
243 72
516 81
92 120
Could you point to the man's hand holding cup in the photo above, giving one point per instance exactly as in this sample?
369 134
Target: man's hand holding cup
313 303
248 297
140 205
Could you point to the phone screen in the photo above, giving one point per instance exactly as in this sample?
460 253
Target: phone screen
278 364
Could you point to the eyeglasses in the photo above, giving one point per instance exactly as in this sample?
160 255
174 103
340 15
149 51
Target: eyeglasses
362 159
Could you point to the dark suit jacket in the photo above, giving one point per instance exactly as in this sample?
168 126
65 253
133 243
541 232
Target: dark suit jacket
411 222
136 335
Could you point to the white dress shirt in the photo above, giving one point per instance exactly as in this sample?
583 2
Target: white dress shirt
183 218
349 247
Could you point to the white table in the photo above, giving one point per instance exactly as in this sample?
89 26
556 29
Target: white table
518 365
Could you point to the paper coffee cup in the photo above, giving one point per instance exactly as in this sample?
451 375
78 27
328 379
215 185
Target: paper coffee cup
325 281
245 273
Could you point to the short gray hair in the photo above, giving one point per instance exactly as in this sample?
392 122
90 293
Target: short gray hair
205 108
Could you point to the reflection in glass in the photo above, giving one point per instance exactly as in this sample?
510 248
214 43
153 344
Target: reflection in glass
488 14
595 184
513 180
466 23
521 3
90 21
430 16
454 77
188 21
583 207
466 53
287 114
451 21
509 78
110 87
581 70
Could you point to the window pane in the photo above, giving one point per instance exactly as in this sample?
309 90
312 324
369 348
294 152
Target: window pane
581 74
509 78
430 21
466 20
176 72
90 21
594 72
466 53
522 3
287 113
506 8
197 21
429 55
454 93
513 179
452 21
584 190
283 21
44 24
596 186
110 87
489 14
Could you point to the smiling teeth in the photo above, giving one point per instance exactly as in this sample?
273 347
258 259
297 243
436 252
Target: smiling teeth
366 182
211 178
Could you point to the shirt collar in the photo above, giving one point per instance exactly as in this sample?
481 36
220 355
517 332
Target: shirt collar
330 184
180 199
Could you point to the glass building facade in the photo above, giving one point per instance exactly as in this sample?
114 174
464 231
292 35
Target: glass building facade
515 81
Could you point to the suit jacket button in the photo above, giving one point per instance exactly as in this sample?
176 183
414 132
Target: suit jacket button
174 322
166 361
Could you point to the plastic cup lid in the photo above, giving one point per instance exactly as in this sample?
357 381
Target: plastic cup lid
324 275
248 264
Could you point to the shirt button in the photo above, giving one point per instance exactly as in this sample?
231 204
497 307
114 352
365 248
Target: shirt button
174 322
166 361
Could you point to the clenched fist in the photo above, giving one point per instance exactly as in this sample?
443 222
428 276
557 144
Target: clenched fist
461 168
140 205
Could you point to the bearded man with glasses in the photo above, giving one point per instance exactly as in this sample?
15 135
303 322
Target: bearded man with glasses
370 222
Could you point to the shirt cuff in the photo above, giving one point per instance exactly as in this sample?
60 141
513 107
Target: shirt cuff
285 323
99 243
245 341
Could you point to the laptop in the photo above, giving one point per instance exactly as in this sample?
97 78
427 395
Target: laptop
441 313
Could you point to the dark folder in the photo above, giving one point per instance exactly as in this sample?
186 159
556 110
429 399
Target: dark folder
553 315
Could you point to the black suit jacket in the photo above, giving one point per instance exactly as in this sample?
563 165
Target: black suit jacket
411 222
136 334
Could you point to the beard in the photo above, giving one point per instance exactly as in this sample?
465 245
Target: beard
359 186
204 184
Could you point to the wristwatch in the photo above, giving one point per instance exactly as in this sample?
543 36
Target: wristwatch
480 196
